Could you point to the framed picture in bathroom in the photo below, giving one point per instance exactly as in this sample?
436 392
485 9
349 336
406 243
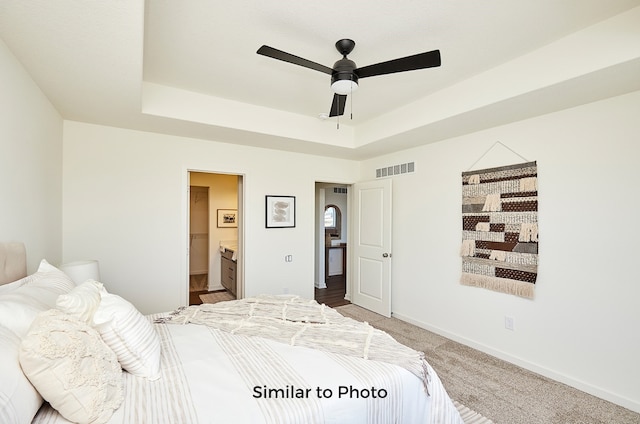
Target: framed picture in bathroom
280 211
227 218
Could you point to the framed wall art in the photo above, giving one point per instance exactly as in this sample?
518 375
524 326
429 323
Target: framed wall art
227 218
280 211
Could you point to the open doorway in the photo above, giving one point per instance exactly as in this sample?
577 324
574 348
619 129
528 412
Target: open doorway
331 273
214 229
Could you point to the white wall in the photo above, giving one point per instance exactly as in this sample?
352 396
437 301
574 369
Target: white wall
582 326
125 205
30 165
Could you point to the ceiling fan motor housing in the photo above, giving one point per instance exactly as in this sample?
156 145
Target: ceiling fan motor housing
344 70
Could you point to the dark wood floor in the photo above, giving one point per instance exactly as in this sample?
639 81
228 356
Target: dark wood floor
332 296
194 297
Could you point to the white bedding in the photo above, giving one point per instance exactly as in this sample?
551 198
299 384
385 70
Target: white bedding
210 376
207 374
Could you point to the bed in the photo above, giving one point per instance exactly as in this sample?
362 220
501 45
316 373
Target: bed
78 353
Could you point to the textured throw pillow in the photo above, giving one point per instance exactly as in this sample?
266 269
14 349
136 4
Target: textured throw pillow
72 368
19 400
81 302
129 334
32 295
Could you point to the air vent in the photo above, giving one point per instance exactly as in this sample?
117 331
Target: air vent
340 190
390 171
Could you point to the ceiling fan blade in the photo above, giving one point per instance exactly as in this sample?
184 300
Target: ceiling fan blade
338 104
287 57
410 63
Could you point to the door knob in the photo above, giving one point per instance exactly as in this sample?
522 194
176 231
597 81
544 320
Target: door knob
385 255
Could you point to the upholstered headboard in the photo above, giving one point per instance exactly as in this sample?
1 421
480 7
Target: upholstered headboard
13 262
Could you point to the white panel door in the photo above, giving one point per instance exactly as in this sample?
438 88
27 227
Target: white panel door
371 285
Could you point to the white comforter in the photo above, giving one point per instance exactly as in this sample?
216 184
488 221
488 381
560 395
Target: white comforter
212 376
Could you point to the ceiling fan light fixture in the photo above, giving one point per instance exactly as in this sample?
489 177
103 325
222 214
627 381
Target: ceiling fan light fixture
345 73
344 86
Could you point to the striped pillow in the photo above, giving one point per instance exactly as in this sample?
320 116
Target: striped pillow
129 334
81 302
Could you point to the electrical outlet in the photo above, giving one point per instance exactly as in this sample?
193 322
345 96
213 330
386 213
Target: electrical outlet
509 323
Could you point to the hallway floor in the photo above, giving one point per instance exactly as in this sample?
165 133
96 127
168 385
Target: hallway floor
333 295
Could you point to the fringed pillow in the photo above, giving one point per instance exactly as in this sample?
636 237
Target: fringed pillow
71 367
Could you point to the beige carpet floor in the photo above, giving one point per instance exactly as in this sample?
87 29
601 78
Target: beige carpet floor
498 390
218 296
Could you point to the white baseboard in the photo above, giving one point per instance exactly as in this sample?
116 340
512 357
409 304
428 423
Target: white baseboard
216 287
531 366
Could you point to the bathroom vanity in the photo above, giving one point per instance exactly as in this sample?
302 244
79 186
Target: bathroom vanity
228 267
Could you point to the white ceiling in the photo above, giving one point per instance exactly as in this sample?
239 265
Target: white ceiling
189 67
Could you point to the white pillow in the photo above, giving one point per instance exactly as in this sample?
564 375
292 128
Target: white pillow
34 294
52 276
72 368
81 302
129 334
9 287
19 400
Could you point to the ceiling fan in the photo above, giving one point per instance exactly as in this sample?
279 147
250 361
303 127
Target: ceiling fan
345 74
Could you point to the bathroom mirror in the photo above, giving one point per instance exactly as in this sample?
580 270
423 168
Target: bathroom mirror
332 222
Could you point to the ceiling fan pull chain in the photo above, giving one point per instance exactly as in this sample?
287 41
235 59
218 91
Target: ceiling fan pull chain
351 102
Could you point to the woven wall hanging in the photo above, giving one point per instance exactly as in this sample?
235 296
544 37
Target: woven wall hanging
500 229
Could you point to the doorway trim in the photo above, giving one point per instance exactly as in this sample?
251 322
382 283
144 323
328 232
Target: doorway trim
319 234
184 231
